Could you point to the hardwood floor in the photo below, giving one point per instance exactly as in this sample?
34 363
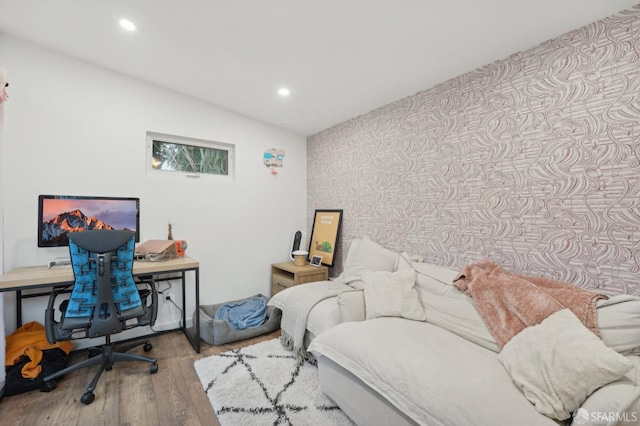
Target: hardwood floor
128 394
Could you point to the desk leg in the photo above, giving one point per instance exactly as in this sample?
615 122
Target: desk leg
19 308
197 322
195 337
184 307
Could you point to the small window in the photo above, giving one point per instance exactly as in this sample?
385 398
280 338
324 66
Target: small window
188 156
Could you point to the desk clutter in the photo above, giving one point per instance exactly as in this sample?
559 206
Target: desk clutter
159 250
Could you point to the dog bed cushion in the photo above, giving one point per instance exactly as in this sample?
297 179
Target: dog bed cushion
218 332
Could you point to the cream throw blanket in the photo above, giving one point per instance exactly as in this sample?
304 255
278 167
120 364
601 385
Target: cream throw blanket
295 311
508 302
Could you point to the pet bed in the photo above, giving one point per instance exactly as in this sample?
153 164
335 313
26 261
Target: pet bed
218 332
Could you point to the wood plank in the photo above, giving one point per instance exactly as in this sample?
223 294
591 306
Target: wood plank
128 395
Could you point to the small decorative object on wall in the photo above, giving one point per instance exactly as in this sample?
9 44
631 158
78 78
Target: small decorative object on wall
315 261
324 235
3 86
272 159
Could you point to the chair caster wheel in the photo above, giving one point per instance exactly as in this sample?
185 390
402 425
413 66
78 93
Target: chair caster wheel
153 368
87 398
49 386
147 347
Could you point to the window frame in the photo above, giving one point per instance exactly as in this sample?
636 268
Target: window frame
192 142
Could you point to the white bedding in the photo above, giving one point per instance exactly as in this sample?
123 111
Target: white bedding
425 386
323 316
305 307
445 371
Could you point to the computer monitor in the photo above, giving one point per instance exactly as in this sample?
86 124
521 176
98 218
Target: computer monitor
61 214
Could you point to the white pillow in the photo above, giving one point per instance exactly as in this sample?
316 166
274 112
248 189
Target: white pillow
620 397
351 305
558 363
404 262
351 251
448 307
443 274
392 294
366 256
619 322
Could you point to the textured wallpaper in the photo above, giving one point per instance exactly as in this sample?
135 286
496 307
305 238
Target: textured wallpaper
532 161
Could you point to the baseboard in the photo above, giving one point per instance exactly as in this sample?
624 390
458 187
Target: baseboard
164 326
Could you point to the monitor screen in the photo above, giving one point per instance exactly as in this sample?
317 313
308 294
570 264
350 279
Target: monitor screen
61 214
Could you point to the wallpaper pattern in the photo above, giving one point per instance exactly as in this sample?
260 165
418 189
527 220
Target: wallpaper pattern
532 161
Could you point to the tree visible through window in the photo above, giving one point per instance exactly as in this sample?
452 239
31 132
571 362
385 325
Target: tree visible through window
189 156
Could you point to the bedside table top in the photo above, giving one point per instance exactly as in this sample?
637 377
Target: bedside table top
290 267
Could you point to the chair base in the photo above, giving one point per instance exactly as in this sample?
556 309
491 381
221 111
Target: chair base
105 358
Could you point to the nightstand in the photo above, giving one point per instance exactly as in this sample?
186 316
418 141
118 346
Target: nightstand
286 274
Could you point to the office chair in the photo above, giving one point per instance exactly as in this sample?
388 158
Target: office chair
105 300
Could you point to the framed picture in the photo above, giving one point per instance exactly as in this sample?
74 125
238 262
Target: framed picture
315 261
324 235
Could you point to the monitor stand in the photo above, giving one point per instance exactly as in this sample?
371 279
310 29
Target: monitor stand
60 261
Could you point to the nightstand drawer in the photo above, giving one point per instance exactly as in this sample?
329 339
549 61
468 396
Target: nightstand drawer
286 274
280 282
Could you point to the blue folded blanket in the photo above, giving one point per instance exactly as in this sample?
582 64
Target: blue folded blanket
243 314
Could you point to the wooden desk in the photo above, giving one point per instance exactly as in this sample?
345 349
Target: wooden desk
38 277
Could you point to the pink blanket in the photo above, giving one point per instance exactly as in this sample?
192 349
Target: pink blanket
509 302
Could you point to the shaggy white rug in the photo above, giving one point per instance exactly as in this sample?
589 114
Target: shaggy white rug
264 384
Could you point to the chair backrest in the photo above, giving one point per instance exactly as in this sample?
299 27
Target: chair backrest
104 294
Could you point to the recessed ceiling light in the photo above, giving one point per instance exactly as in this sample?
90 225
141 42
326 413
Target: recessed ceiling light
127 25
283 91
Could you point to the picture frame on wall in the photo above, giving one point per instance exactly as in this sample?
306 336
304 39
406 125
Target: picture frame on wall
324 235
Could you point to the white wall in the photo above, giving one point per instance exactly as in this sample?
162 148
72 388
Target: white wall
2 326
73 128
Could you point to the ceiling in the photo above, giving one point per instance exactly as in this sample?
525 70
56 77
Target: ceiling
339 58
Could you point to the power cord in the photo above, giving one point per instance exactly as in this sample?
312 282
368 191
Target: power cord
179 310
166 289
168 297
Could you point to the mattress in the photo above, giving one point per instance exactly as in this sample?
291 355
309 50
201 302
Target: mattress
360 402
431 375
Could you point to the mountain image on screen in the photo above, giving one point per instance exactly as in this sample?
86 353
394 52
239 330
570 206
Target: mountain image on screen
55 230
